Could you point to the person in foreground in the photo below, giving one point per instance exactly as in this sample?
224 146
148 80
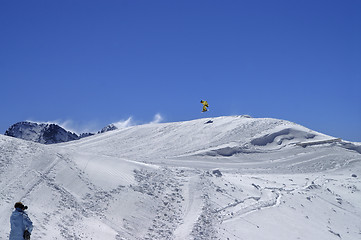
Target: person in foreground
21 225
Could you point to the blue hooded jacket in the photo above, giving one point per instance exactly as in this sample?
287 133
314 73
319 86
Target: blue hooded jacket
19 222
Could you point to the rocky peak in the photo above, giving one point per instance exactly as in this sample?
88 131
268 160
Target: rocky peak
46 133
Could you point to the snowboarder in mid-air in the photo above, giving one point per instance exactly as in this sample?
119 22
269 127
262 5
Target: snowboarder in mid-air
21 225
205 105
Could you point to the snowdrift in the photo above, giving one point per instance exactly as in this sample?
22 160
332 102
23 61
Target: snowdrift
213 178
199 135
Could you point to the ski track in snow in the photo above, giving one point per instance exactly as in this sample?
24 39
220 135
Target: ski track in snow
234 178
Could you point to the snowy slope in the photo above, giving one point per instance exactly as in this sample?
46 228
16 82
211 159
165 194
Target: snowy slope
220 178
173 139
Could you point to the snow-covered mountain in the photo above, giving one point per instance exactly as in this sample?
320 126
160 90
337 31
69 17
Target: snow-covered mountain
48 133
40 132
110 127
216 178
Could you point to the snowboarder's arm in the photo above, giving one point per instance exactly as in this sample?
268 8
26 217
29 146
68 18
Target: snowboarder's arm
27 223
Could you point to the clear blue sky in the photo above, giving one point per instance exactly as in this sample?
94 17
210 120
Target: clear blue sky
92 63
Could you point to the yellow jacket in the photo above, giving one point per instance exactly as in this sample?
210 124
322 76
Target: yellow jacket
205 103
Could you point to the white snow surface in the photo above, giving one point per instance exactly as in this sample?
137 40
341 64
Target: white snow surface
214 178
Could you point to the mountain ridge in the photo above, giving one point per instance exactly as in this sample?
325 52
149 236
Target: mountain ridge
46 133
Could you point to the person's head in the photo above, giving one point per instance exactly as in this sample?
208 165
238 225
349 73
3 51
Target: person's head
20 205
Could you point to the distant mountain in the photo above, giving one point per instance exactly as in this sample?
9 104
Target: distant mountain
41 132
83 135
48 133
108 128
